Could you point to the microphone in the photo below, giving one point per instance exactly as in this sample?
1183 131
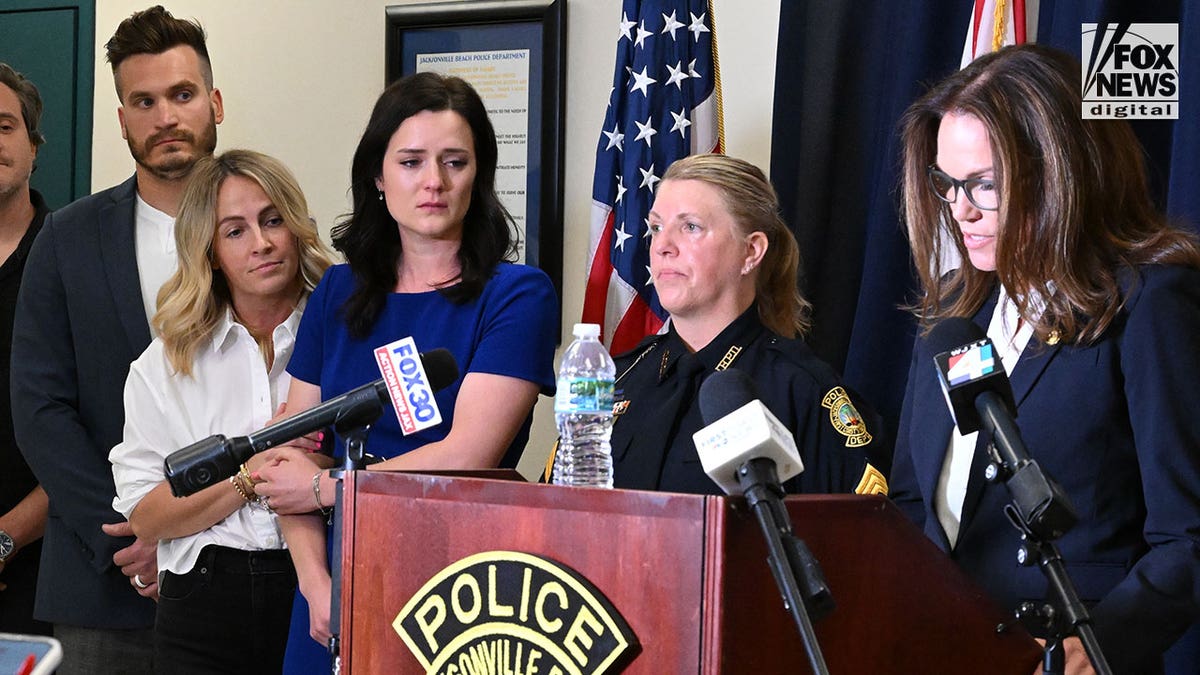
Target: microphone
968 366
747 451
213 459
739 428
980 397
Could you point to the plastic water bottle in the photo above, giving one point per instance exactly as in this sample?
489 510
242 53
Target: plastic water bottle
583 411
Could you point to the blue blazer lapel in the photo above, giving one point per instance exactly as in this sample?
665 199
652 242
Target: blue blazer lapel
118 252
1030 367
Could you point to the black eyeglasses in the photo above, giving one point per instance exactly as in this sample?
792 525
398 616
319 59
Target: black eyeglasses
980 191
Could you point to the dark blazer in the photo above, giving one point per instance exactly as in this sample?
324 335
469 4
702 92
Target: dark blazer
80 323
1115 423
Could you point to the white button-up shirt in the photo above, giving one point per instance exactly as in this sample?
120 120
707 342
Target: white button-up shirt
154 247
229 392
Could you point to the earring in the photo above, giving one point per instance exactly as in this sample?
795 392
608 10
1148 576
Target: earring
381 195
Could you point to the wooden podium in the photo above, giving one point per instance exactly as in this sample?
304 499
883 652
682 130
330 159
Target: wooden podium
688 573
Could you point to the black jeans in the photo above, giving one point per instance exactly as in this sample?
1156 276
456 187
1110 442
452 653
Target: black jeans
229 614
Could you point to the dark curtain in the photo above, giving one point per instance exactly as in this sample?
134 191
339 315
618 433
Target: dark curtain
845 73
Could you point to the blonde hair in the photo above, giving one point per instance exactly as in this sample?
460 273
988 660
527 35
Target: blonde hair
193 300
751 200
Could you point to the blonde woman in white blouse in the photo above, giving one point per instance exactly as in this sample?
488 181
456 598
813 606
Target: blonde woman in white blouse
248 257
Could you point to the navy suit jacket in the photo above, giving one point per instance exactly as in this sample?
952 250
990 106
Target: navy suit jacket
80 322
1115 423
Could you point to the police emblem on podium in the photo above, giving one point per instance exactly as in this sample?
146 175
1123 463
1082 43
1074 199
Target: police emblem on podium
512 612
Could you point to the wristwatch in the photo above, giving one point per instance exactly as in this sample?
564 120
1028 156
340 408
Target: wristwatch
7 546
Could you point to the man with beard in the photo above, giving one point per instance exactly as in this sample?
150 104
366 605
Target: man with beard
22 210
83 315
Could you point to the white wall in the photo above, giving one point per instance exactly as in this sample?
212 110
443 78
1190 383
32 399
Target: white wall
299 78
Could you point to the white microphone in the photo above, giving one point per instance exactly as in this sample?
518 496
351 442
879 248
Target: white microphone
740 428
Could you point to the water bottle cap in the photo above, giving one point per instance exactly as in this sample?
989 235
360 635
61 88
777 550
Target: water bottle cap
590 330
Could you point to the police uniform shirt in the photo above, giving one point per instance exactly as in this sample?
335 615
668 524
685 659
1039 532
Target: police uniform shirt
657 410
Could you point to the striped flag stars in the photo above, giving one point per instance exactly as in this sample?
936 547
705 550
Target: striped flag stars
697 26
622 235
681 122
620 294
615 139
677 75
626 26
670 25
642 35
642 81
648 178
645 133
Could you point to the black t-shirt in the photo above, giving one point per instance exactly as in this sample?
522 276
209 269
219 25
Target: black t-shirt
16 480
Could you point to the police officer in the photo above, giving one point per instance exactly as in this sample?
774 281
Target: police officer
725 265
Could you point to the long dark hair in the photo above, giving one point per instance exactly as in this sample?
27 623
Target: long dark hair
369 237
1074 203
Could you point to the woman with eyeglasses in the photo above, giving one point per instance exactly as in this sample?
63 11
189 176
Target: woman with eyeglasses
1092 302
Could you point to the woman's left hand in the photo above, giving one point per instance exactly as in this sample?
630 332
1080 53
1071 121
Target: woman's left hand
317 594
285 482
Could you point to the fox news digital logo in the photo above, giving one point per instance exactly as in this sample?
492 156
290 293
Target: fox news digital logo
1130 71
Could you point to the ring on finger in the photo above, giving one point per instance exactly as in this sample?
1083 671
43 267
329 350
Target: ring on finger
137 581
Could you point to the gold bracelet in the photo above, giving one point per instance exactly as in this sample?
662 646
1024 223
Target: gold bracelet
236 482
247 483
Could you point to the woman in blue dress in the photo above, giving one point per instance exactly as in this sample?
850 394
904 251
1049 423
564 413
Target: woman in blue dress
425 245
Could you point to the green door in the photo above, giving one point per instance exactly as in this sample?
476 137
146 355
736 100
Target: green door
53 44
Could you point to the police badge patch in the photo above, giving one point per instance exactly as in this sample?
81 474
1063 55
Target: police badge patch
845 418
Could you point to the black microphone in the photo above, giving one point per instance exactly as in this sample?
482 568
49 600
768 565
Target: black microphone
213 459
968 366
980 397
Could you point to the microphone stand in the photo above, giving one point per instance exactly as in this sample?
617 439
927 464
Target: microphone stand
792 564
1042 513
353 424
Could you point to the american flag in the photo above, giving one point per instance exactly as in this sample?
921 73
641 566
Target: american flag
997 23
665 104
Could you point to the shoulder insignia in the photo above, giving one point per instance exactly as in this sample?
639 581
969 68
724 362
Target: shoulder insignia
620 407
872 483
845 418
